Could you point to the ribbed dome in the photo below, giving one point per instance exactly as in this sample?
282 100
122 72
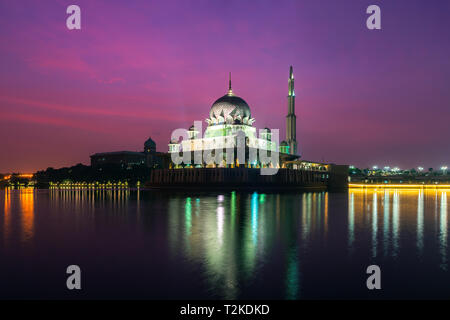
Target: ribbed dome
230 106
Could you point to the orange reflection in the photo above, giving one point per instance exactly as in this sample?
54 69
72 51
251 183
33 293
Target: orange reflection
7 215
26 197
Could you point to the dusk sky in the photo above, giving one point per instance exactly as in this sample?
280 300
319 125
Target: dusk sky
144 68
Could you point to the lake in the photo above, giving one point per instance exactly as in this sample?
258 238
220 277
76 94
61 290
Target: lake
146 244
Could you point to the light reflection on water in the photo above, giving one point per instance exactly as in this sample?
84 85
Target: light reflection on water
443 223
23 223
238 245
402 204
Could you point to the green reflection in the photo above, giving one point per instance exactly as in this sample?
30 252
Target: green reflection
262 198
188 215
233 207
292 275
254 208
250 238
235 238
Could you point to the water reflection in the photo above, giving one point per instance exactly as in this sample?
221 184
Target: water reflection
409 216
420 221
27 214
232 236
386 220
351 221
7 216
274 244
443 230
18 215
374 225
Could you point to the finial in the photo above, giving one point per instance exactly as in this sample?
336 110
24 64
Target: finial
291 73
230 91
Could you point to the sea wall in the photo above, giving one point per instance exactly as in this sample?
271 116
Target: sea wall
248 178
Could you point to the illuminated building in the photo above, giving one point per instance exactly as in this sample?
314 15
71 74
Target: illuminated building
230 154
231 114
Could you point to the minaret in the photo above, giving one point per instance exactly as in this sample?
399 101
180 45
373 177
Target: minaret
291 119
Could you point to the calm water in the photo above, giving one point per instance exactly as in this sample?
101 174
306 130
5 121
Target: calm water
233 245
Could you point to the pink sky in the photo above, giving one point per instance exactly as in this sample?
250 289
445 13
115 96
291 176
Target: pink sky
143 68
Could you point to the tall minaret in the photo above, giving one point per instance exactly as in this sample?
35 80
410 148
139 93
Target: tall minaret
291 119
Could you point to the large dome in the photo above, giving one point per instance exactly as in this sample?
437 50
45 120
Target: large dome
230 109
230 106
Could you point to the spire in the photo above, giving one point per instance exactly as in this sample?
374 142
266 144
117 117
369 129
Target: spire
291 82
291 119
230 91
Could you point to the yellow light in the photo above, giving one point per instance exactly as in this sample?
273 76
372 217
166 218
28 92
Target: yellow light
26 175
417 186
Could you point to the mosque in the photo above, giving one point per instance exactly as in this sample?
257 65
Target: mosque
229 118
231 114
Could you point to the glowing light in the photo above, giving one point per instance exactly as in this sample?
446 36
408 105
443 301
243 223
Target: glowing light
443 222
254 211
351 220
262 198
395 223
27 210
220 222
420 221
386 222
374 224
188 215
406 186
233 206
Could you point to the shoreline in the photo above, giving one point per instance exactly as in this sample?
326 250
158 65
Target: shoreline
397 186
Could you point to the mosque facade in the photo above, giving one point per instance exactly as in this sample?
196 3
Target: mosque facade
229 116
230 123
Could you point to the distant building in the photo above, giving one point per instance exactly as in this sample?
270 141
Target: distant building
129 159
